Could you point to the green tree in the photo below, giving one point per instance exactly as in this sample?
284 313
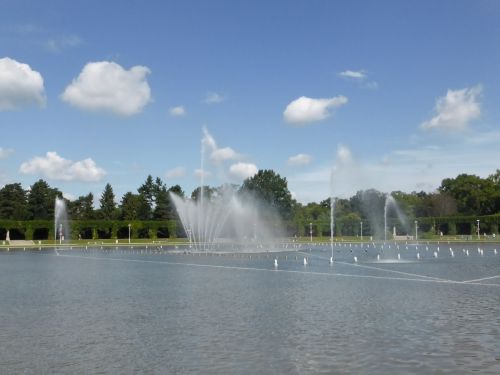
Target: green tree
474 195
313 211
271 190
82 208
144 211
176 189
350 224
147 190
107 203
495 178
162 208
442 204
208 193
41 201
129 206
13 202
146 199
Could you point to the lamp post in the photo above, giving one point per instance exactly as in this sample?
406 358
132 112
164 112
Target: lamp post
478 234
311 231
361 231
416 230
129 232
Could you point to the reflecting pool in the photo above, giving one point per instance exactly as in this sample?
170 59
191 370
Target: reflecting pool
166 310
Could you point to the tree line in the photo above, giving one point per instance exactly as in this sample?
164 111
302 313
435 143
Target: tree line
150 202
464 195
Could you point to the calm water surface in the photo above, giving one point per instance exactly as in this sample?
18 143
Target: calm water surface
119 311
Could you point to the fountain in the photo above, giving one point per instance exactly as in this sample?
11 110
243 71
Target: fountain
61 223
332 224
391 202
203 219
220 218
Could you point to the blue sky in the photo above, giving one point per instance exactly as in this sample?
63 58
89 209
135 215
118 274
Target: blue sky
333 95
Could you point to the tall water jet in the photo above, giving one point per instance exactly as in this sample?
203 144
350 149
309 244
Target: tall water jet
388 200
61 224
332 221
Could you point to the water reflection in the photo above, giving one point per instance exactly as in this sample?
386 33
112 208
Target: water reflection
116 311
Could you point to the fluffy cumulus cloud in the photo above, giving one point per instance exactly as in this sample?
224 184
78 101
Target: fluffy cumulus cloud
176 172
456 110
223 154
107 86
305 110
19 85
178 111
216 153
243 170
299 160
55 167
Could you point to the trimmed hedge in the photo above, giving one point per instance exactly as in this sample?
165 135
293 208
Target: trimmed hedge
110 227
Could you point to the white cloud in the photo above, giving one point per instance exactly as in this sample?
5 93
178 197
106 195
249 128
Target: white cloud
217 154
360 74
213 98
422 167
176 172
107 86
304 110
243 170
299 160
19 85
223 154
57 44
456 110
55 167
177 111
5 152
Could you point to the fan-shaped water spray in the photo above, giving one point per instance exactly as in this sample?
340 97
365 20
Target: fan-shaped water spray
391 202
220 218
